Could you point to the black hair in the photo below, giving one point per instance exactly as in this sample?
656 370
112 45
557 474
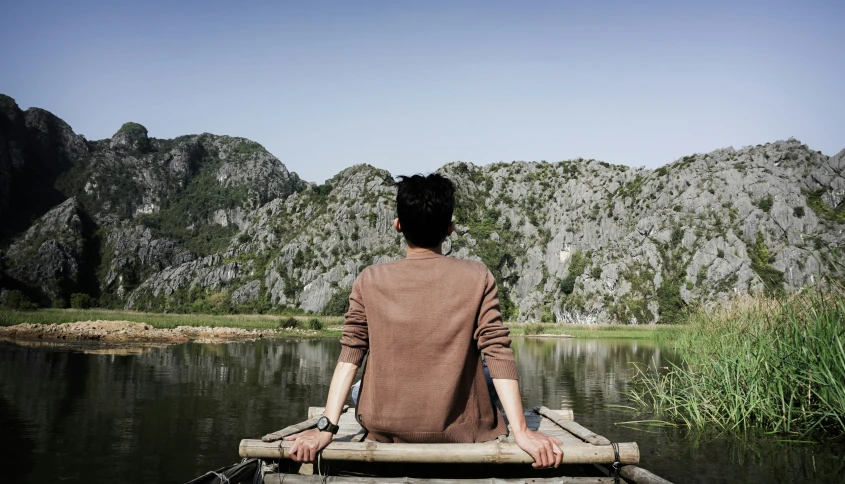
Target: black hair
424 206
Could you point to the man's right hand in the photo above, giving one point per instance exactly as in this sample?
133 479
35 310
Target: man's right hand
544 449
308 444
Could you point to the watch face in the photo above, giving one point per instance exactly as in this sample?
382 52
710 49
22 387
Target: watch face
323 423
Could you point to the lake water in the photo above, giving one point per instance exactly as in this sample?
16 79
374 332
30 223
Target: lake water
172 413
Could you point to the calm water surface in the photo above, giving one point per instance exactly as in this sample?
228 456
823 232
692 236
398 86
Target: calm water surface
170 414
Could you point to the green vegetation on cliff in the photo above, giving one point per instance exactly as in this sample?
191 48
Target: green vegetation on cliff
761 260
816 202
132 128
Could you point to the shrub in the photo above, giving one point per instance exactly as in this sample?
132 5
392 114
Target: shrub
798 212
671 304
80 300
315 324
18 301
677 235
577 265
60 303
533 328
761 260
766 204
338 304
289 323
131 127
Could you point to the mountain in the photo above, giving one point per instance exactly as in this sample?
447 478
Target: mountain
216 223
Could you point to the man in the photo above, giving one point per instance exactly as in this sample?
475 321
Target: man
425 321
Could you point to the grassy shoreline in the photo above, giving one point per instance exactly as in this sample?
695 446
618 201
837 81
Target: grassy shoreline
776 365
331 324
609 331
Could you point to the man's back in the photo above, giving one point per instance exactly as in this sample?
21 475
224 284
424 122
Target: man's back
425 320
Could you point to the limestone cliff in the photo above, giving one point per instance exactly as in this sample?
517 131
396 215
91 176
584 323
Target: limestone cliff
214 223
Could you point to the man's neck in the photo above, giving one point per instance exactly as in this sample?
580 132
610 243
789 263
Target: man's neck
412 250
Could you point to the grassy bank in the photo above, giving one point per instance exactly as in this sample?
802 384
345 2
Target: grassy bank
762 363
329 323
160 320
620 331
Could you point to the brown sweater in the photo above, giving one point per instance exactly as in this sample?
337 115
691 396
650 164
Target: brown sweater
426 320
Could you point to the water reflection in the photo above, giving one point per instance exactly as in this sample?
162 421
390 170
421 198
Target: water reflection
584 375
168 414
162 416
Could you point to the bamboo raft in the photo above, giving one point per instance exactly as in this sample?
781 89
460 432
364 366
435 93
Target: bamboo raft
587 458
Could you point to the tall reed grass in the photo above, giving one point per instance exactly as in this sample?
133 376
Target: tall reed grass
757 362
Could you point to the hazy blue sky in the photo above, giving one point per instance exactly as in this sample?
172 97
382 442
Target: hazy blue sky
411 85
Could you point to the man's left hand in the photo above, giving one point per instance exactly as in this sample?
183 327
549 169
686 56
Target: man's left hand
308 444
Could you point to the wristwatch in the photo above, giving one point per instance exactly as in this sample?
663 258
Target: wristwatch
324 425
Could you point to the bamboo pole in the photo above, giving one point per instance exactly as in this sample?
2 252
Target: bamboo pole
565 414
300 427
638 475
297 479
483 453
572 427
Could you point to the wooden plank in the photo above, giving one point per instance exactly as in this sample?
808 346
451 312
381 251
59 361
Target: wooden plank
318 411
638 475
291 429
562 435
295 428
533 420
315 412
572 427
296 479
566 413
349 427
483 453
550 428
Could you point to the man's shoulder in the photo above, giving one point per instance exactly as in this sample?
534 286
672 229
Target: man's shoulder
465 266
469 265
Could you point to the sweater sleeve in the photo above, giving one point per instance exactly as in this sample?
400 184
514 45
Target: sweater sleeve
355 340
492 335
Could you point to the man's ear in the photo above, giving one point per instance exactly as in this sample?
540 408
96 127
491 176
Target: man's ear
451 229
397 225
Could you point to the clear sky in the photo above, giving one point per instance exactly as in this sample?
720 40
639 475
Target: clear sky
411 85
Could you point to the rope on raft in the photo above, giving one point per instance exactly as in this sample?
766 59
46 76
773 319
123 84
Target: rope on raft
616 462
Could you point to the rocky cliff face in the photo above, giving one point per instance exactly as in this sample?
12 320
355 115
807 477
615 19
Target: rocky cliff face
54 255
205 223
36 147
